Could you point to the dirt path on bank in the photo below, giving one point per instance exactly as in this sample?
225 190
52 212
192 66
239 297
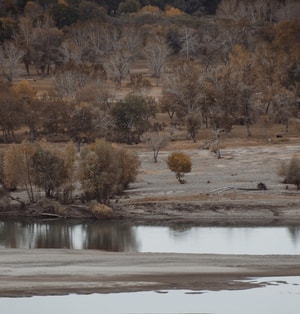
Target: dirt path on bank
46 272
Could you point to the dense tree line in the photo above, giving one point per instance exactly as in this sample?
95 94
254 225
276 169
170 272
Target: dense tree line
240 66
73 10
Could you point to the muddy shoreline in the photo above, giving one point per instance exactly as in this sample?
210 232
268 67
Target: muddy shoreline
168 212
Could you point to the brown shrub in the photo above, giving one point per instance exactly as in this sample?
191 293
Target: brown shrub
290 171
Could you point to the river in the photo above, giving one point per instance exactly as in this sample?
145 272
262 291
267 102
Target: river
279 295
126 237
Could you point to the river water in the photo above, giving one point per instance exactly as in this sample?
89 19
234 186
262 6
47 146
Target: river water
124 237
280 295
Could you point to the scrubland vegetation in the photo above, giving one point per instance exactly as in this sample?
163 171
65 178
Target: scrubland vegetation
131 71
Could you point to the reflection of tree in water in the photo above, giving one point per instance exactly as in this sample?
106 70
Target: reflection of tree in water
35 235
295 234
59 234
15 234
53 235
110 237
8 234
179 229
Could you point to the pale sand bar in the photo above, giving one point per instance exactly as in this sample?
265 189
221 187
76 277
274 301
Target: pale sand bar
47 271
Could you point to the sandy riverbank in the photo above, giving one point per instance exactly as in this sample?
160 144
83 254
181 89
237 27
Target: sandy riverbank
217 191
46 272
211 196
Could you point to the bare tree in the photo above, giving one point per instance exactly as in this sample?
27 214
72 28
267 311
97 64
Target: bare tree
46 44
156 53
254 11
71 78
123 52
156 142
100 39
182 86
218 139
189 42
76 45
10 57
118 66
24 39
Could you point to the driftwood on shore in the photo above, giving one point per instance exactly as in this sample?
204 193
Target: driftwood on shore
49 215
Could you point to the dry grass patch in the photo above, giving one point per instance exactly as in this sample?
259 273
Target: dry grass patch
101 210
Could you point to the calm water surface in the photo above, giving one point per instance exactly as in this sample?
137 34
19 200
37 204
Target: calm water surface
282 295
123 237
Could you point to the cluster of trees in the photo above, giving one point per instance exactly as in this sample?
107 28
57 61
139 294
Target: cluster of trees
102 170
67 11
87 117
242 66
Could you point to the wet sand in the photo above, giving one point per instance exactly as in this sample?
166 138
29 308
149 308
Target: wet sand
58 272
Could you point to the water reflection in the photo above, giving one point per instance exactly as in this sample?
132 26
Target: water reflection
126 237
59 234
294 233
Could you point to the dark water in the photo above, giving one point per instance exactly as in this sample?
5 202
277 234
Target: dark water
124 237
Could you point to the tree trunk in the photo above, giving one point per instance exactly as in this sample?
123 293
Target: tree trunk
155 155
287 125
249 133
218 135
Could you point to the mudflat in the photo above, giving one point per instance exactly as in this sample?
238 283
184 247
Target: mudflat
60 271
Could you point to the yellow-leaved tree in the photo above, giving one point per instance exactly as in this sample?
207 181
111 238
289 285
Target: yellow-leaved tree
17 167
180 163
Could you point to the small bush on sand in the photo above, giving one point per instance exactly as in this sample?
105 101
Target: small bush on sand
52 207
180 163
101 210
290 171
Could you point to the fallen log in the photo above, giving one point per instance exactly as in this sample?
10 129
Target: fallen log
49 215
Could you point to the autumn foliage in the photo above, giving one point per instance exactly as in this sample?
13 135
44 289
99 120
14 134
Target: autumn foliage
180 163
105 170
44 170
